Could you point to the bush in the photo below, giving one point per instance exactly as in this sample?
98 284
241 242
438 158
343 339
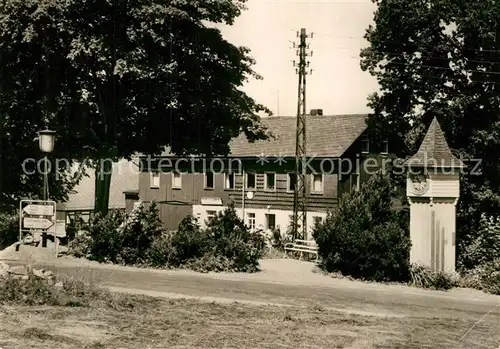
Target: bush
120 238
160 253
62 291
188 242
363 237
139 239
80 246
425 277
485 277
490 277
230 238
106 238
9 229
484 248
138 233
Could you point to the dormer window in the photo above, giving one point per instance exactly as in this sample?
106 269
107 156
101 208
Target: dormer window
365 144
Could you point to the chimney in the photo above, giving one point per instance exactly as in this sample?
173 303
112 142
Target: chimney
316 112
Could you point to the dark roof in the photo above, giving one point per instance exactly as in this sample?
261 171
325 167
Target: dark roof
327 136
125 177
434 151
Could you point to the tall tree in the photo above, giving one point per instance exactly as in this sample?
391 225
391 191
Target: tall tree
116 77
441 58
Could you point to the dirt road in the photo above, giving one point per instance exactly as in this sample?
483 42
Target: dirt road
285 282
466 317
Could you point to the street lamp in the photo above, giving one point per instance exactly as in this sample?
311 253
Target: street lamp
46 139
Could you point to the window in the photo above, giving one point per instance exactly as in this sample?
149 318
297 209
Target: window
270 221
291 182
229 181
250 180
176 180
251 220
354 181
385 147
155 180
209 180
317 183
270 181
365 145
211 215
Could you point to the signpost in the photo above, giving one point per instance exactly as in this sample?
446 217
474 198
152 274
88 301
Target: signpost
37 217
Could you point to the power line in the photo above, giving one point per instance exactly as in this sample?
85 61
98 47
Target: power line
400 43
438 58
459 70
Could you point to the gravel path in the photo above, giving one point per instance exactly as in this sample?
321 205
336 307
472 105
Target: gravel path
282 282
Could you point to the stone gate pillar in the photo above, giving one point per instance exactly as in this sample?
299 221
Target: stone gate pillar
433 189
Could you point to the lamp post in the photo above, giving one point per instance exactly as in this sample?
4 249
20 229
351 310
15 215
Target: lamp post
46 139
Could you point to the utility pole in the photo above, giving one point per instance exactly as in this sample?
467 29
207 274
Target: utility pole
300 190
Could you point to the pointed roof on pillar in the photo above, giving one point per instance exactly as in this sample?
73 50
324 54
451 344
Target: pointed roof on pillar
434 151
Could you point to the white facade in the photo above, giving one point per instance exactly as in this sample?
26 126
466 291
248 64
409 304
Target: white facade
257 218
433 221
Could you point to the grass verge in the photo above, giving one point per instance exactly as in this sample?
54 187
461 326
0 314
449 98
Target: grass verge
78 315
192 324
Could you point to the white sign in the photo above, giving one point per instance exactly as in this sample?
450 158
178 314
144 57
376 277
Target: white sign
211 201
37 223
58 229
39 210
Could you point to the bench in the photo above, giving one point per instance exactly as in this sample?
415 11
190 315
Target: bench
302 246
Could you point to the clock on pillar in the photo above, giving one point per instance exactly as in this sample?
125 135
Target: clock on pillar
433 189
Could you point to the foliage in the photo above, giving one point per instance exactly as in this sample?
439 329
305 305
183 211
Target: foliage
139 239
440 60
106 74
425 277
188 242
489 275
106 239
9 229
33 290
119 238
232 239
292 227
138 233
363 237
80 246
485 247
485 277
160 252
61 291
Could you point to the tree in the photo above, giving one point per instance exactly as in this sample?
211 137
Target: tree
441 58
117 77
364 237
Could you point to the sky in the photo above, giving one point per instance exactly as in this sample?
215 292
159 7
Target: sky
337 84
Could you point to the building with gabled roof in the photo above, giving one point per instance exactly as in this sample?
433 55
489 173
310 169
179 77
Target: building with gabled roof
80 203
258 178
